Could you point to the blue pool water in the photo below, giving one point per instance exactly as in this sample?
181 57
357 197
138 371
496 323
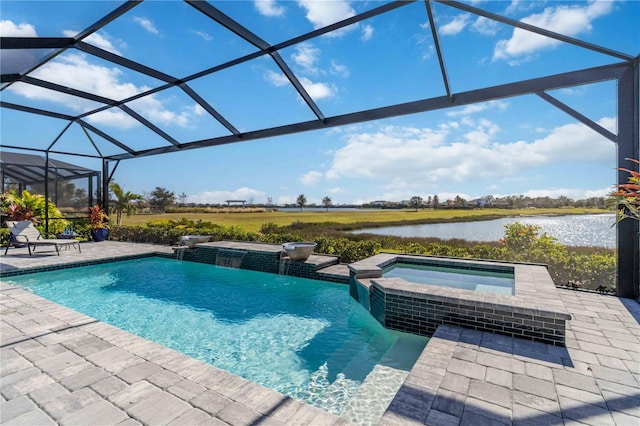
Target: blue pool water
465 279
305 338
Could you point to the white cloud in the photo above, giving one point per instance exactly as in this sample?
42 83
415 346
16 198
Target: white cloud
103 41
323 13
73 70
339 69
146 24
513 7
287 199
219 197
576 143
573 193
336 190
406 157
276 78
367 32
153 109
17 61
485 26
455 26
475 108
568 20
268 8
444 196
198 110
386 154
311 178
482 133
317 90
202 34
10 29
307 56
518 6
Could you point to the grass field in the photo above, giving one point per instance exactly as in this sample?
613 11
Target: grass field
359 219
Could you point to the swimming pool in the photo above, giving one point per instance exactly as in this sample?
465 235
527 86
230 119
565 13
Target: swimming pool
305 338
495 282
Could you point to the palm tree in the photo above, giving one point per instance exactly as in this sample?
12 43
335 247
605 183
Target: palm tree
326 202
123 201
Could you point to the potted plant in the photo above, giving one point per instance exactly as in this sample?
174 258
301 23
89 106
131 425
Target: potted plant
627 196
18 213
98 222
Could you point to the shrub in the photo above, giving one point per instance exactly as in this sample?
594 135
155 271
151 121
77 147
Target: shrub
34 206
348 250
524 244
269 228
4 236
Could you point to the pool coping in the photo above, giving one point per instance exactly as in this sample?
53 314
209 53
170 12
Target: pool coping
81 263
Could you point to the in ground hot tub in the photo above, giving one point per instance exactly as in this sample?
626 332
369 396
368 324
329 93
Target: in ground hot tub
299 250
475 277
421 293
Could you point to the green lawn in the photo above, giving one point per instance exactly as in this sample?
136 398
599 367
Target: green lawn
365 218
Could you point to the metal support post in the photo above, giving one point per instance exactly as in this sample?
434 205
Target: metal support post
628 230
105 186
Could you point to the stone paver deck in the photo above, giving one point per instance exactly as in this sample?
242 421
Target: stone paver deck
19 259
467 377
58 366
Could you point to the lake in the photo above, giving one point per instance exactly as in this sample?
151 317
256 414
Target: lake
572 230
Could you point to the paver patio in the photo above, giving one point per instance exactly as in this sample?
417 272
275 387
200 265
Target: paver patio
61 367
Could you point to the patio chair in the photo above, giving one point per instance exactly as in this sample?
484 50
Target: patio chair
24 233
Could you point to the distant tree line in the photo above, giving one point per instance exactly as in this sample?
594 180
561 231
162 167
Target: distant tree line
67 195
490 201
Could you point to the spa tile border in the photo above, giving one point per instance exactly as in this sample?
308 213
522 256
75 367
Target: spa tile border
534 312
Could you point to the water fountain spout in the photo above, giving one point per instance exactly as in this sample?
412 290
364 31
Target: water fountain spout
284 263
299 250
230 258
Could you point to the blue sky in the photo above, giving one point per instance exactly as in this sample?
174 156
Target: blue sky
511 146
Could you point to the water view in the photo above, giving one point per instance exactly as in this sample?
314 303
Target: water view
573 230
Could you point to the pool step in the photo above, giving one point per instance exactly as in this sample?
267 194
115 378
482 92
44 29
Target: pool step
337 395
350 363
381 385
354 359
342 356
366 358
404 352
374 395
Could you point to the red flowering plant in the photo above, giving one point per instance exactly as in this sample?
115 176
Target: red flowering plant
626 198
18 212
98 218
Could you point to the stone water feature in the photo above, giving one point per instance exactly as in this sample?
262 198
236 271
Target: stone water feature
297 252
189 242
